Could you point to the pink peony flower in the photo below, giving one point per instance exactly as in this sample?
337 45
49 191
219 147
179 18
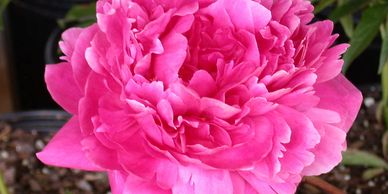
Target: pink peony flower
202 96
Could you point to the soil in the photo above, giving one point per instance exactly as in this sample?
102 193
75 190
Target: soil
23 173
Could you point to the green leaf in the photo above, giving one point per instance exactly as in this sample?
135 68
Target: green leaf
68 192
380 112
371 173
80 11
83 15
362 158
347 21
384 83
384 141
322 5
347 25
3 5
3 187
384 46
365 32
347 9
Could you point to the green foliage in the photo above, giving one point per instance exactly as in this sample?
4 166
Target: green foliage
384 142
322 5
371 173
347 21
3 4
383 69
68 192
81 15
3 187
361 158
384 45
365 32
347 8
361 33
384 83
375 165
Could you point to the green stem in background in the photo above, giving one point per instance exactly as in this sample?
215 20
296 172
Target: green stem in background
321 5
3 187
365 32
346 21
383 68
3 4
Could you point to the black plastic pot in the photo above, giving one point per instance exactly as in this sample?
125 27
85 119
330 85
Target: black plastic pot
28 26
40 121
49 8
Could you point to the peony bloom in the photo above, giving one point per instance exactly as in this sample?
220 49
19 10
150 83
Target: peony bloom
202 96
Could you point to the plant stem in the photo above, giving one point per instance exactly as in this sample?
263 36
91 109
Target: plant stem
322 184
3 187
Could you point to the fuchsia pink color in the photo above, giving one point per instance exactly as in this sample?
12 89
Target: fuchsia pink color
202 96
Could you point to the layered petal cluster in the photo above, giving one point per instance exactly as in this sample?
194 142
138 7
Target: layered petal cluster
202 96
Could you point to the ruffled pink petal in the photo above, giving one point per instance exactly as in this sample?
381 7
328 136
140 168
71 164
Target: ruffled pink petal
304 137
88 108
167 65
65 150
248 15
332 138
288 186
62 86
256 184
199 181
142 161
99 154
117 181
185 7
216 108
203 83
332 65
246 154
340 96
134 185
67 45
79 64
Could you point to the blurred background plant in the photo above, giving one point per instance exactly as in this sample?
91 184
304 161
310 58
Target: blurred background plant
361 21
3 187
3 4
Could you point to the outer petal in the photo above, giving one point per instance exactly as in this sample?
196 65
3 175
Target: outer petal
341 96
69 37
326 159
78 61
331 66
65 150
62 86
